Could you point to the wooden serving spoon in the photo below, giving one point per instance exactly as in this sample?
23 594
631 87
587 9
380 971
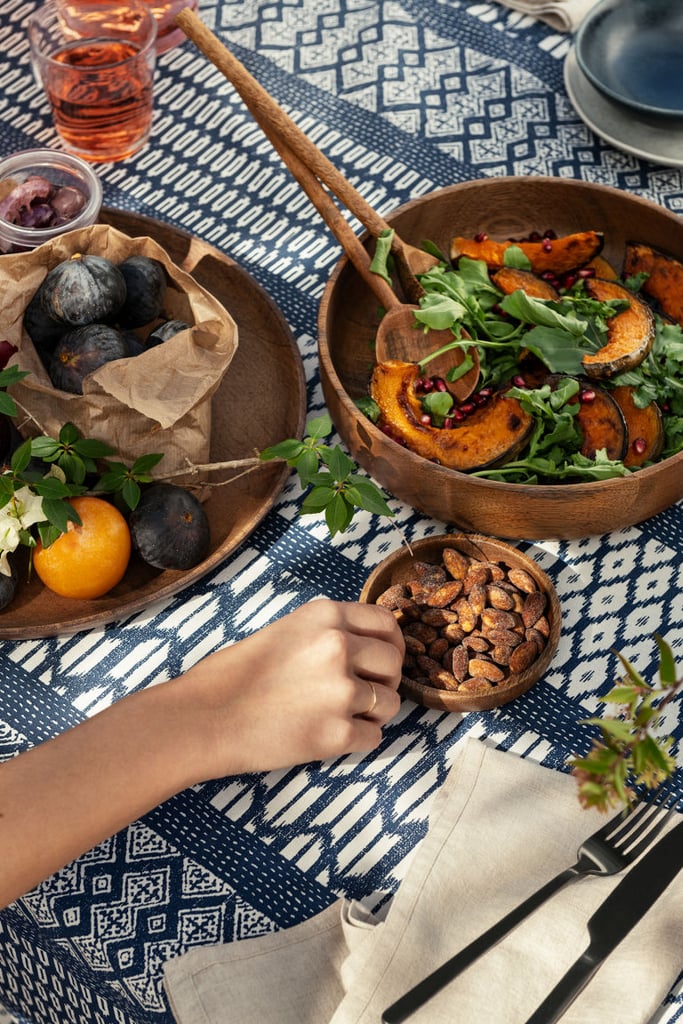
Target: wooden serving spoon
399 335
409 260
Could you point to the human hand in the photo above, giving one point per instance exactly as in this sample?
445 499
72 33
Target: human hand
317 683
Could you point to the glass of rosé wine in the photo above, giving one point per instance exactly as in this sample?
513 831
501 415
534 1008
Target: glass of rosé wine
96 60
168 33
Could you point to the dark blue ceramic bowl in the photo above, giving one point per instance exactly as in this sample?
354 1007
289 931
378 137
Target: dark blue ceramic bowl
632 51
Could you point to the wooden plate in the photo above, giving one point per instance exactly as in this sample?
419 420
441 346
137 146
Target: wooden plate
399 568
267 367
347 322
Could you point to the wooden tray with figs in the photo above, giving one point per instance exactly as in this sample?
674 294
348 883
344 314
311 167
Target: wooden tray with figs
267 366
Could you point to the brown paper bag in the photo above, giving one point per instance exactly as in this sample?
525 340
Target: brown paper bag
158 401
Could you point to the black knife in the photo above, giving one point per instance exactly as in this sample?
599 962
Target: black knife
615 918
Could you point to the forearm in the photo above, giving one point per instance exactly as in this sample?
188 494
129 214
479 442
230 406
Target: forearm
319 683
68 794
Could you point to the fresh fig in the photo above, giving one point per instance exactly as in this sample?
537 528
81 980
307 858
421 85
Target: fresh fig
41 328
165 331
82 351
145 291
169 528
85 289
8 584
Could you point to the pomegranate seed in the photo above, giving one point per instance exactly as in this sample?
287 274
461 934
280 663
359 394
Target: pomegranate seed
458 416
568 280
448 422
519 381
467 407
426 384
586 272
549 233
426 419
587 396
639 445
481 237
535 236
547 245
440 384
485 394
550 277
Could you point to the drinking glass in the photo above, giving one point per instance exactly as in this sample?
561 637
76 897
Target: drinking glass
96 59
168 33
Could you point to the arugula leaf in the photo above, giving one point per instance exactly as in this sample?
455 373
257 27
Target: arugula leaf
380 261
516 257
438 404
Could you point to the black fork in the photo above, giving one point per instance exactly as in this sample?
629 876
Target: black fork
609 850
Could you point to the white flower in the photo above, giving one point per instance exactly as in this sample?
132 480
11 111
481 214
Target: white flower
22 511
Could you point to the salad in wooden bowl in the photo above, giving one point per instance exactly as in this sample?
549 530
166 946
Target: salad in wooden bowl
571 297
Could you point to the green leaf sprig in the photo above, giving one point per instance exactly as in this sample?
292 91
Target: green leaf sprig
57 469
333 484
629 751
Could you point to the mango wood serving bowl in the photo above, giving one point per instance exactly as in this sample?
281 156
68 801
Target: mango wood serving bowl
480 632
348 317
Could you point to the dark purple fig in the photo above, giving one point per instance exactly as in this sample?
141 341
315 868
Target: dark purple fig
135 346
165 331
169 528
7 350
43 331
85 289
82 351
10 439
8 584
145 291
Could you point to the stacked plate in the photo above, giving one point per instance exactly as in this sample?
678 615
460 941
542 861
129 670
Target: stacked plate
624 76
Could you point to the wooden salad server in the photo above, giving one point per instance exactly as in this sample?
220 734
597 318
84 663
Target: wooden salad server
399 335
410 260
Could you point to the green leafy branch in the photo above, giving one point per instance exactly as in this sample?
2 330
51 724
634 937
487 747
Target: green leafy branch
333 484
75 465
629 752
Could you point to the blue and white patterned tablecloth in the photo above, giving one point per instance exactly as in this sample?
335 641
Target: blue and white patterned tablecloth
406 96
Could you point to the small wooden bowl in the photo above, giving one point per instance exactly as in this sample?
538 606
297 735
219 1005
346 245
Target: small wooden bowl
347 322
399 567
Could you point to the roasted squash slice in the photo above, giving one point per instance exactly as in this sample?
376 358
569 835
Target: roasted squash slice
630 334
645 428
602 424
510 279
665 283
603 268
490 436
557 256
599 418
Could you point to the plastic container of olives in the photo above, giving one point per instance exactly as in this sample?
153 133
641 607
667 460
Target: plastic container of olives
43 193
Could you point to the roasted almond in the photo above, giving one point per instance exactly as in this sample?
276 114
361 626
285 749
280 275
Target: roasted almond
533 608
456 563
522 579
523 656
485 669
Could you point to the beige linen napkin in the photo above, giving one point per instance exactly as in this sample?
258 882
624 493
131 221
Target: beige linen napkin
565 15
500 827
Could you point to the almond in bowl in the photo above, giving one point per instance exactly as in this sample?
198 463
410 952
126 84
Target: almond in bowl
481 620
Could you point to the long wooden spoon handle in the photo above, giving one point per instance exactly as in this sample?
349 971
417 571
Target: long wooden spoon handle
266 111
290 143
339 226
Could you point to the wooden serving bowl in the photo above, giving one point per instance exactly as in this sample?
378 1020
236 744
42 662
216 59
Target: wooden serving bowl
348 317
400 567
